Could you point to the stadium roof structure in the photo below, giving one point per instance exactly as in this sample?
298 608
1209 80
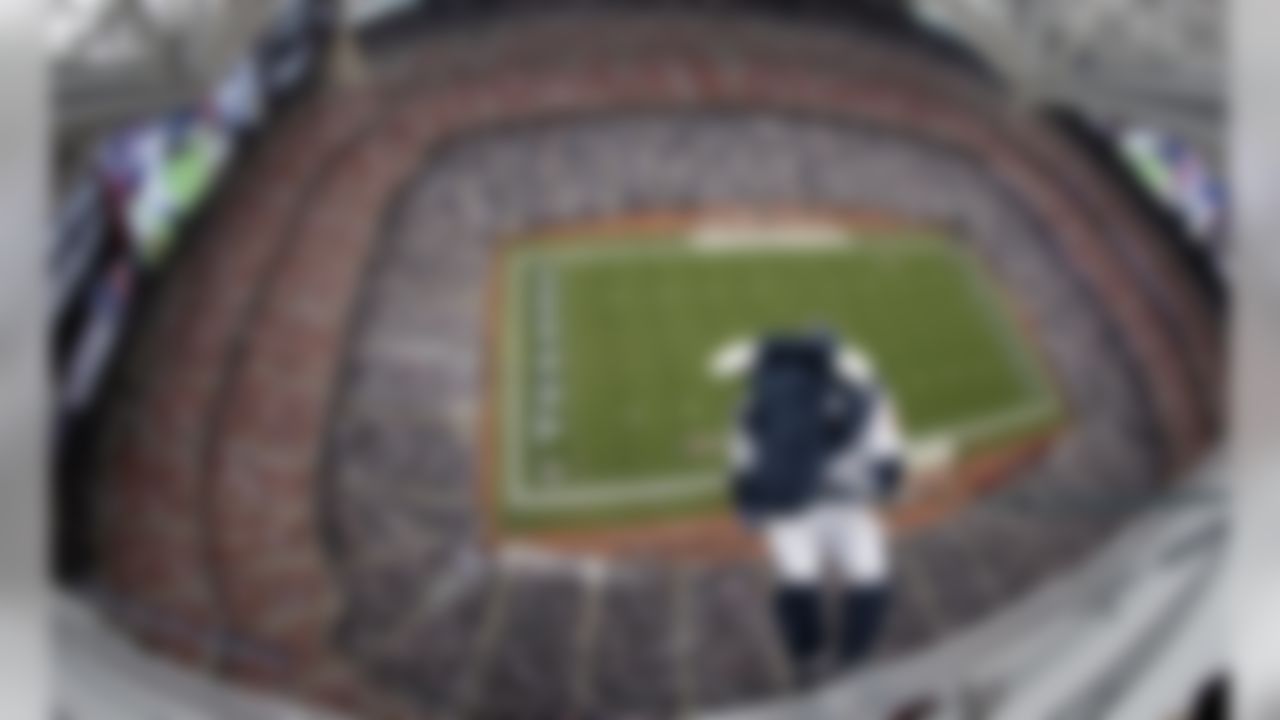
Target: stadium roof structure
1158 63
114 59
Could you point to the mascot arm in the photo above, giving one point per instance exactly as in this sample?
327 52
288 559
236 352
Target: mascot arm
886 449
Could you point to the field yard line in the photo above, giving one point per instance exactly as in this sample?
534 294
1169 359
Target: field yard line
996 423
995 321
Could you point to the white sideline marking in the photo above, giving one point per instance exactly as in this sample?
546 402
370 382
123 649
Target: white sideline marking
973 430
933 452
997 325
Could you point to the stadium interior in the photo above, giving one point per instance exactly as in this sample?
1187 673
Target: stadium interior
381 333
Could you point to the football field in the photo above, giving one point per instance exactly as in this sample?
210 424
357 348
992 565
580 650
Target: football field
607 411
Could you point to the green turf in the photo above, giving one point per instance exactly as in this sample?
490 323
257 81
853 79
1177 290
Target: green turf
608 409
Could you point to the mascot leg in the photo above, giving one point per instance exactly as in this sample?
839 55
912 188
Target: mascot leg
863 610
794 546
861 546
